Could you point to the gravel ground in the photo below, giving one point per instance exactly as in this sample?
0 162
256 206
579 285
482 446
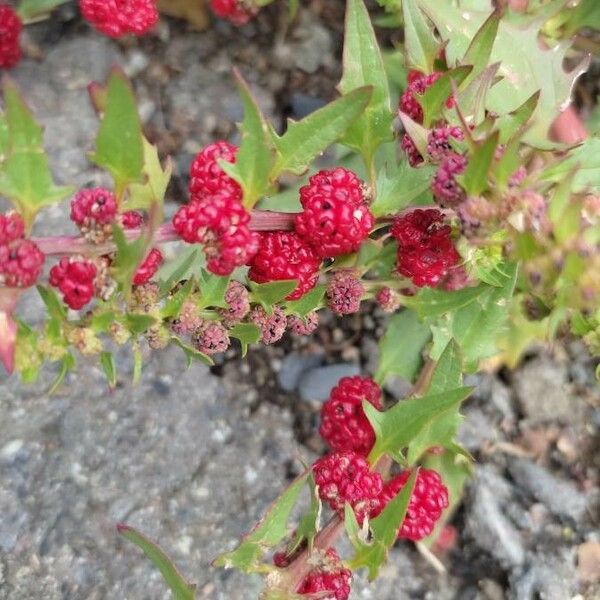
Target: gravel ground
194 458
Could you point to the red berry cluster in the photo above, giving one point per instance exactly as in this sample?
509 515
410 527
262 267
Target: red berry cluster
74 277
21 260
335 218
10 37
238 12
215 216
328 580
417 86
425 249
116 18
344 425
344 293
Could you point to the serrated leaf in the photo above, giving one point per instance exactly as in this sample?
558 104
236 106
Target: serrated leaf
172 307
480 49
268 533
55 307
398 188
180 588
25 177
475 177
182 268
403 359
107 362
272 292
436 95
441 430
304 140
422 48
192 354
309 302
363 66
212 290
397 427
119 143
524 72
138 323
256 154
246 333
471 99
509 124
430 303
384 528
309 523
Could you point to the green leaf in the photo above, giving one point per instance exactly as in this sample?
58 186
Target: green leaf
29 10
384 528
55 307
152 191
441 430
480 49
180 588
509 124
429 302
107 362
524 71
119 143
212 289
67 364
585 14
434 98
172 307
129 256
583 162
180 269
398 188
255 157
309 302
397 427
271 293
137 323
25 177
268 533
363 66
422 48
471 98
304 140
417 133
401 346
192 354
246 333
309 523
475 177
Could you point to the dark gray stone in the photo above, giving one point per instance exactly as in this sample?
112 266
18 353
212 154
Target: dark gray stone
293 366
317 383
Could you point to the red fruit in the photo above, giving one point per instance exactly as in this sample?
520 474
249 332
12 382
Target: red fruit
148 268
208 178
344 425
221 224
304 326
428 500
388 299
235 11
412 152
344 293
272 326
116 18
93 211
409 104
346 477
425 250
336 218
438 141
74 277
132 219
238 303
329 580
10 34
11 227
284 255
211 338
21 262
444 186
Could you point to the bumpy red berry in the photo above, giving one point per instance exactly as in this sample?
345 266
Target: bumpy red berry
116 18
74 277
439 141
12 227
388 299
206 175
221 224
303 326
238 12
328 580
21 262
427 502
344 425
93 210
285 255
148 268
412 152
10 34
444 186
272 326
211 337
132 219
409 104
335 217
344 293
425 248
346 477
238 303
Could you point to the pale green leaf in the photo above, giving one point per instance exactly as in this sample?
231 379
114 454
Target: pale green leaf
422 48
